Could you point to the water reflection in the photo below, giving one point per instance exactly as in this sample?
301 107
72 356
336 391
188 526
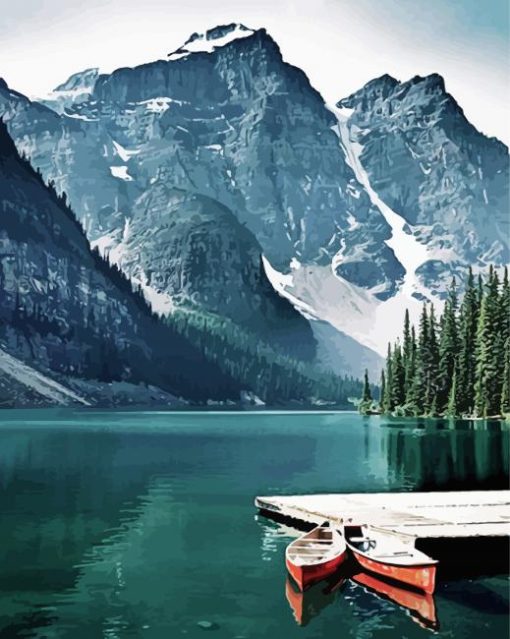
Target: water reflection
443 455
307 605
420 606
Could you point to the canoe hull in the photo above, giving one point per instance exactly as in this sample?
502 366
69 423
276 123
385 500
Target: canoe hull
420 576
306 575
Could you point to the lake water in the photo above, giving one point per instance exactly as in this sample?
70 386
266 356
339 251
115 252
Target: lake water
142 524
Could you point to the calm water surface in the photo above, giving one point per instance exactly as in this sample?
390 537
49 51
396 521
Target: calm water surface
121 525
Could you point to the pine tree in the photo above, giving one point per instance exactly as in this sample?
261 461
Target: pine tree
411 368
505 306
448 347
453 408
367 393
489 373
407 349
387 401
505 390
383 389
397 378
458 365
415 375
480 290
431 364
468 323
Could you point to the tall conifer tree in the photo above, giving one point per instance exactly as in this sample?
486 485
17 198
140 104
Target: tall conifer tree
489 374
407 347
453 406
367 393
397 378
383 389
387 401
468 324
432 364
505 390
448 347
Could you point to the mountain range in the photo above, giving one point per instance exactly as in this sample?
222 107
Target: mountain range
220 183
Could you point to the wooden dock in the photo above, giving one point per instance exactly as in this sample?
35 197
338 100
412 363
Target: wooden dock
425 516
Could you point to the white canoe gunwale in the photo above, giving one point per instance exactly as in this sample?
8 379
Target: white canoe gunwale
316 547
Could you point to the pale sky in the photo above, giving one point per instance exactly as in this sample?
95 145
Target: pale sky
340 44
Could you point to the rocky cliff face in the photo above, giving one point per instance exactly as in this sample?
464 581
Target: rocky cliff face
64 309
74 90
227 118
431 166
184 170
196 254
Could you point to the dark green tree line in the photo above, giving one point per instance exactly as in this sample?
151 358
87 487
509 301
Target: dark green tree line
458 364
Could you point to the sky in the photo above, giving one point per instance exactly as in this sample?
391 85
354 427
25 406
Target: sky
340 44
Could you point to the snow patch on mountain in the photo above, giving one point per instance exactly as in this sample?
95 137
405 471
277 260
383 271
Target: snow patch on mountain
161 302
79 82
76 89
319 294
123 153
121 172
408 250
158 105
211 40
78 116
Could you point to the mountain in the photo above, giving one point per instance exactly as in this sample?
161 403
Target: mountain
431 166
254 151
74 329
76 89
186 171
441 186
186 249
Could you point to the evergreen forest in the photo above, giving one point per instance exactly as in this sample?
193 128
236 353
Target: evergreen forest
456 364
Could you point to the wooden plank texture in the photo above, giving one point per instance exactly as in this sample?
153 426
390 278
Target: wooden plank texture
421 515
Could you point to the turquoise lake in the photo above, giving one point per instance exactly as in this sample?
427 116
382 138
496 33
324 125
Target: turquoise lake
142 524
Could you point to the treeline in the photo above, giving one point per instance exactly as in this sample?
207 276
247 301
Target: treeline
457 364
257 365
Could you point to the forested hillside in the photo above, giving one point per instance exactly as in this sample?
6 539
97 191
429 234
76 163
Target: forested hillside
273 375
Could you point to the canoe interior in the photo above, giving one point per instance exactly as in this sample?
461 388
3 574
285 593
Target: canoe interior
385 548
317 546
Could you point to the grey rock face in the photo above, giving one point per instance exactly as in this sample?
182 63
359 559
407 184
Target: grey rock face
237 125
196 251
186 169
74 90
431 166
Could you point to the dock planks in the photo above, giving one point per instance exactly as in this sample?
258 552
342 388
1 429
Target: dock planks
455 514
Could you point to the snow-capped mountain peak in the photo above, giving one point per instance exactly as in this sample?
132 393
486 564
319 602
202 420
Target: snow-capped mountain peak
212 39
77 88
82 80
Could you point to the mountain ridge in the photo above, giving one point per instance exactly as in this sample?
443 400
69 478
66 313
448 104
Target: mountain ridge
238 124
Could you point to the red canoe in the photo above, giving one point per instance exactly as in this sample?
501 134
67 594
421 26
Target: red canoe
392 557
315 556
